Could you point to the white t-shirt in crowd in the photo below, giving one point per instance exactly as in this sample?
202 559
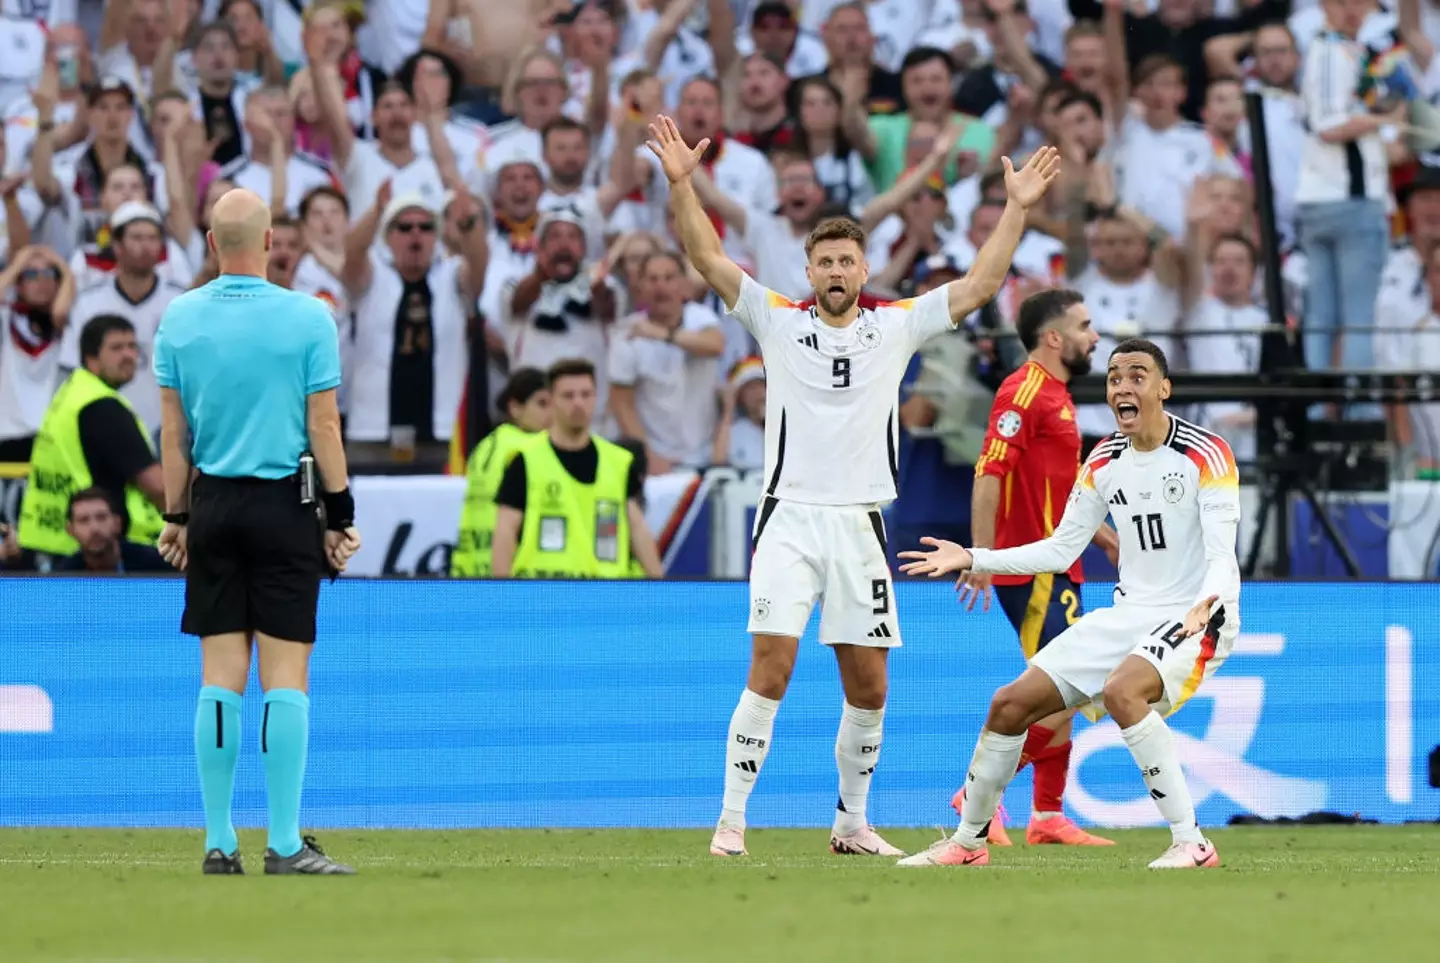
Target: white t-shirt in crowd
392 31
674 389
1237 351
832 394
1123 309
22 125
807 57
554 330
1329 89
469 140
29 374
367 170
302 175
778 254
312 278
23 40
145 315
747 445
375 312
1155 170
741 173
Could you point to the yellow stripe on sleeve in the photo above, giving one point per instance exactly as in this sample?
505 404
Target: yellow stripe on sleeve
1034 380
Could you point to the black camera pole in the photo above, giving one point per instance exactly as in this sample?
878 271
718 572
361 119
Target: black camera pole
1281 427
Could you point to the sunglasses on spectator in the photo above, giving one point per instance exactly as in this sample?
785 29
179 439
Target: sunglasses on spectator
410 227
35 274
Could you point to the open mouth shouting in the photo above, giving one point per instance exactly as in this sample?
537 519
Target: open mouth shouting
1127 415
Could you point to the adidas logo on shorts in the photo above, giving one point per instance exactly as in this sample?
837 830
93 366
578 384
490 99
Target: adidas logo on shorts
881 631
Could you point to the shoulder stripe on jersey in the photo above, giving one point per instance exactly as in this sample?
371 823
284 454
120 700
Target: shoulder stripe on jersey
1188 441
779 456
1034 381
1106 452
780 301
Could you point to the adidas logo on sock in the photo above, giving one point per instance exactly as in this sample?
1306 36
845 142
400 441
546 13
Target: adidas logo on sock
1156 794
747 765
881 631
809 341
1118 498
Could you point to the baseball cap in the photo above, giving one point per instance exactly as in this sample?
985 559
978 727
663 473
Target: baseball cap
772 8
937 264
110 85
411 201
132 211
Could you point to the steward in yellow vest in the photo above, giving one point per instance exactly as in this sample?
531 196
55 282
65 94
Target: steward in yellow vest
525 399
568 504
91 436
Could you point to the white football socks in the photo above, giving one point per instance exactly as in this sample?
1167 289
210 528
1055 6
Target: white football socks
857 750
996 759
1153 747
749 743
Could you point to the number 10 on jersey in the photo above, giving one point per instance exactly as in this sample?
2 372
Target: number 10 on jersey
1150 530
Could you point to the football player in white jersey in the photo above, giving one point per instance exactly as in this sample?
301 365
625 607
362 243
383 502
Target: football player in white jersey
833 375
1175 495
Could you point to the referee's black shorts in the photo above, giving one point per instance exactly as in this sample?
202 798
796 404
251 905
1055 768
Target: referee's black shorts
256 559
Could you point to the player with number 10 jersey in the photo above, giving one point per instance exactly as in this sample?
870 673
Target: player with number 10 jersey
833 373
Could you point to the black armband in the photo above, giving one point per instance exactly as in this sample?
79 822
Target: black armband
176 518
339 510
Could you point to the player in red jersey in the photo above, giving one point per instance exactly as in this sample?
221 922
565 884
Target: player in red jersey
1025 473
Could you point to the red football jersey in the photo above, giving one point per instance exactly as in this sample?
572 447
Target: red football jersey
1033 447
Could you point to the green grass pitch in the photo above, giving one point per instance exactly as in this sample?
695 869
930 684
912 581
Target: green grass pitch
1357 894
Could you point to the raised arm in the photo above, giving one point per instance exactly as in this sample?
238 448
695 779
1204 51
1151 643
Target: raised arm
1024 188
697 235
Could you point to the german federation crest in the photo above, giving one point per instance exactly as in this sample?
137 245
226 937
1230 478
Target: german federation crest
1174 489
1008 424
869 336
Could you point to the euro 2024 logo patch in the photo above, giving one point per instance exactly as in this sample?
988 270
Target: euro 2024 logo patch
1008 424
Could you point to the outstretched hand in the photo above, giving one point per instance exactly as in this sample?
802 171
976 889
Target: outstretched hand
943 558
677 160
1027 185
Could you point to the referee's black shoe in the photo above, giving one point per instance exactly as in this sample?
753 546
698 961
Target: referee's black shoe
309 861
218 864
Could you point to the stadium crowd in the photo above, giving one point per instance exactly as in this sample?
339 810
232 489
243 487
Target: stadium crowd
383 132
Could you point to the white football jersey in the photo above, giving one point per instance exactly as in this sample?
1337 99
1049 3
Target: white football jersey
1176 510
832 394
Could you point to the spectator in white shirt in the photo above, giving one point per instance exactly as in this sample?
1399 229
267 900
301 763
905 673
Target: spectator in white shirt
137 292
773 32
1342 195
434 82
1161 154
1226 327
273 170
134 43
411 311
567 157
66 70
740 432
663 371
563 308
535 94
38 290
391 157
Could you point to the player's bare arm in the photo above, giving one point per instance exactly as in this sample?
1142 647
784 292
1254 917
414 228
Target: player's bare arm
984 505
697 235
1024 189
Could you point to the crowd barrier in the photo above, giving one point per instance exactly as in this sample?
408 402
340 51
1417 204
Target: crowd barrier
703 522
466 704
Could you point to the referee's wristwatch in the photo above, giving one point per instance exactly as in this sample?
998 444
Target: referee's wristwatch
176 518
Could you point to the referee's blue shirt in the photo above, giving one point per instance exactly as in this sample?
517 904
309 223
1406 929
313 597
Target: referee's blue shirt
244 354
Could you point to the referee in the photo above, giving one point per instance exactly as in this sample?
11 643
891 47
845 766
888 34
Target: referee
248 371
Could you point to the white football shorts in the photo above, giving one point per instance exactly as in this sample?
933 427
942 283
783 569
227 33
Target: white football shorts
834 554
1081 658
